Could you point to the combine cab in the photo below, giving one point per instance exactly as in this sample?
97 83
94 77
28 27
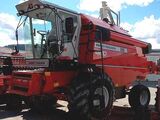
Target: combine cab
86 61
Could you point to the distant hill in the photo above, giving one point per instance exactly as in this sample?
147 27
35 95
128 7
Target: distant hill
21 47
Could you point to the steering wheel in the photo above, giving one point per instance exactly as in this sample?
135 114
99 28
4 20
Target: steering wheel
42 33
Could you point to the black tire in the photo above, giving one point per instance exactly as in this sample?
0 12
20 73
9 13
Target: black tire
139 97
14 103
3 98
87 98
40 104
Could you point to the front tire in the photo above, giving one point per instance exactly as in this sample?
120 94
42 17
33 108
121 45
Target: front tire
14 103
41 104
139 97
90 96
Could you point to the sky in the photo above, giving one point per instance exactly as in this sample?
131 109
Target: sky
140 17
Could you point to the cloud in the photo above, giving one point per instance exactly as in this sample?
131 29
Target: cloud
8 25
117 5
138 2
21 1
147 30
8 21
5 39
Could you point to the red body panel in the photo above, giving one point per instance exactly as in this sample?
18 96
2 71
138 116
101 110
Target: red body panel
55 80
124 69
36 83
4 83
26 83
123 58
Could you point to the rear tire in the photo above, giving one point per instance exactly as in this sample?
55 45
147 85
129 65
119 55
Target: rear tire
90 97
139 97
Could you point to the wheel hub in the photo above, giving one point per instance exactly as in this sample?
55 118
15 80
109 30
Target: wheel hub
143 98
102 97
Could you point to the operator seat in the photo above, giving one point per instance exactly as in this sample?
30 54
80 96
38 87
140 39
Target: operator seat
52 42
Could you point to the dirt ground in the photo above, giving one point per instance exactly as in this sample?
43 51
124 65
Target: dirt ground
27 114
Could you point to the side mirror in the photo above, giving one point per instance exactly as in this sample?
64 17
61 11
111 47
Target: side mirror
147 49
16 50
69 25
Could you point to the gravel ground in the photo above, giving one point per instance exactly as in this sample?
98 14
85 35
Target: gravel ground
27 114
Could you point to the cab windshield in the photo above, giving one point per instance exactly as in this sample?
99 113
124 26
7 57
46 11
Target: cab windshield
46 32
40 27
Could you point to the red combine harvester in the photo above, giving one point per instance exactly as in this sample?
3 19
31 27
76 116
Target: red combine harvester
86 61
